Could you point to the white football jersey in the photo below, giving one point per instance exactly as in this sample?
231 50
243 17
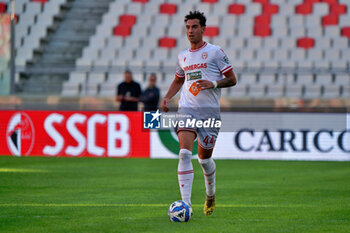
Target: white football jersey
208 62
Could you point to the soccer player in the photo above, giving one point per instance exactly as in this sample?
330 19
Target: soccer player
199 72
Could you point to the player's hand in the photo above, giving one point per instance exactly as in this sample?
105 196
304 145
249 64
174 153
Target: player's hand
165 102
204 84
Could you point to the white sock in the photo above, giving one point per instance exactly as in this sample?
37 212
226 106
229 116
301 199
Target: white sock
185 174
209 170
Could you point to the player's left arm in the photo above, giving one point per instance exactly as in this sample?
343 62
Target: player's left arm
229 81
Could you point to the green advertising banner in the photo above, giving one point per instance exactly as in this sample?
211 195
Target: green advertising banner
5 37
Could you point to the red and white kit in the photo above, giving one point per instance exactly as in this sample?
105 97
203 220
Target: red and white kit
208 62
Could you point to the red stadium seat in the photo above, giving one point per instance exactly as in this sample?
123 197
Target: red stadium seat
122 30
210 1
168 8
261 1
41 1
329 20
262 30
2 7
311 1
304 9
127 19
330 1
262 19
345 31
236 9
337 9
140 1
270 9
211 31
306 43
167 42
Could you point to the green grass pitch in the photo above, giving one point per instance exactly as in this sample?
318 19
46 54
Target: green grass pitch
132 195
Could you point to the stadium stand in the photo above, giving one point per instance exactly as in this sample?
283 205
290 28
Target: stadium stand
279 48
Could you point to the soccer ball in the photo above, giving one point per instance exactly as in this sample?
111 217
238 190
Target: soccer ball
180 211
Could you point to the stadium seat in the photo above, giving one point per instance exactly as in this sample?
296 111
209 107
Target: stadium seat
346 92
210 1
305 79
275 91
70 89
238 92
211 31
236 9
77 77
257 91
342 79
320 9
122 30
306 43
248 79
262 30
331 91
40 1
261 1
329 20
324 79
127 19
304 66
267 79
294 91
312 91
108 89
345 31
304 9
168 8
321 64
167 42
141 1
338 9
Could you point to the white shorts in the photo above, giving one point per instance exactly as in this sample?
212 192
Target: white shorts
206 136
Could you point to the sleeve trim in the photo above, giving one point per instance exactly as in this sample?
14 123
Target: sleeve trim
178 75
227 69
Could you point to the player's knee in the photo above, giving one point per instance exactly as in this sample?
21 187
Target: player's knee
204 161
185 155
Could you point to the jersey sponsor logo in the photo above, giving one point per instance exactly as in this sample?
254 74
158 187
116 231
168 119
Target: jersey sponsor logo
194 75
194 89
20 134
204 55
195 66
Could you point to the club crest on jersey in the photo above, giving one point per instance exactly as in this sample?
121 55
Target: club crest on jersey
204 55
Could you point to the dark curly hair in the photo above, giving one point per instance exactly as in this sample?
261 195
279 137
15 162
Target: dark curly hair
196 15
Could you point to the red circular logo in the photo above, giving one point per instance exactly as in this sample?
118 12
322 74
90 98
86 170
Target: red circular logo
20 134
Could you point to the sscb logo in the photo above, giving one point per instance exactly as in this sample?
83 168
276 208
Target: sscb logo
20 134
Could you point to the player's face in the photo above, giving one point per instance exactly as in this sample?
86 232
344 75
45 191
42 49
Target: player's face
194 31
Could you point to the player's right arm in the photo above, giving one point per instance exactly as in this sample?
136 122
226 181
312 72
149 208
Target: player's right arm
173 89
